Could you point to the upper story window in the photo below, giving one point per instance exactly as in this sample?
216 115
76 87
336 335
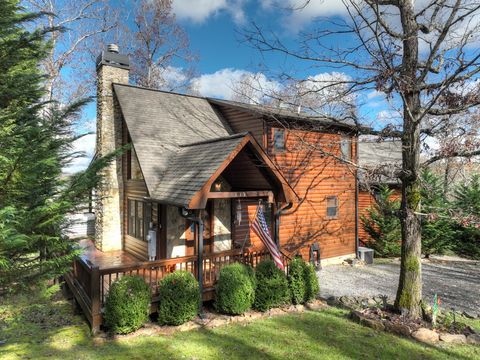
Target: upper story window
332 206
136 219
346 149
278 139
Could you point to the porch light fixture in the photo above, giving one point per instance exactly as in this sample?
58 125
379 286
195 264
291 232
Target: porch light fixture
217 185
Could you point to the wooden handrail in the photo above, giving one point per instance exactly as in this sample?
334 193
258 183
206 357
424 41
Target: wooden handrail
148 264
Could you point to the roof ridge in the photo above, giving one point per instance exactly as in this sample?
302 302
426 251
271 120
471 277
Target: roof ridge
222 138
161 91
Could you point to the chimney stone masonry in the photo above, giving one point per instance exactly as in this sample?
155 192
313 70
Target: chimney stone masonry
112 67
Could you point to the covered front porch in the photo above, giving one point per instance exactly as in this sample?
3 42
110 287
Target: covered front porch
197 219
94 272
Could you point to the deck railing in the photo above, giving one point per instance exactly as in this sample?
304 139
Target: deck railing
90 284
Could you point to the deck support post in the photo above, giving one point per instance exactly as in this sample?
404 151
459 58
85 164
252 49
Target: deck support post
95 297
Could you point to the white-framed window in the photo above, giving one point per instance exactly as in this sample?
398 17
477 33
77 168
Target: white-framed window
332 207
346 149
278 139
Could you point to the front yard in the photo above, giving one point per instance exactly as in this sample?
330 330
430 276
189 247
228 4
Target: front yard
44 326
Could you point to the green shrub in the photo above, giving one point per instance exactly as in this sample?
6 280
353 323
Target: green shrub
296 280
179 298
271 286
382 224
311 282
127 305
235 290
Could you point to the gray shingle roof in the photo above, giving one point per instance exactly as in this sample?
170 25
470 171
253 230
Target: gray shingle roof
192 167
381 160
159 122
286 114
180 141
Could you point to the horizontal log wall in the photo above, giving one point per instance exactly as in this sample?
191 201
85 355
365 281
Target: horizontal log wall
310 165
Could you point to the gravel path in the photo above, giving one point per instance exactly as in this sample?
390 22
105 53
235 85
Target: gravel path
455 280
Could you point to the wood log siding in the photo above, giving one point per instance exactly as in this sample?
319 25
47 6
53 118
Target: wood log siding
316 176
241 121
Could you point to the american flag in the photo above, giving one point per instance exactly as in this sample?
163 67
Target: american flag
260 227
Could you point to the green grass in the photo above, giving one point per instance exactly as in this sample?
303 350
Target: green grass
43 326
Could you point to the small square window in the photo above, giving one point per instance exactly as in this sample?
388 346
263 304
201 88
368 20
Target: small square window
346 149
332 206
278 139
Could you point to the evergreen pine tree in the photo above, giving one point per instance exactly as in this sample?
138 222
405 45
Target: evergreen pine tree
382 224
35 144
438 232
467 205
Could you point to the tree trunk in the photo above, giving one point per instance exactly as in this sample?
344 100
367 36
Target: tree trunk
409 293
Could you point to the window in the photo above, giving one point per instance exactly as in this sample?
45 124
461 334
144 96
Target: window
332 206
136 219
346 149
278 139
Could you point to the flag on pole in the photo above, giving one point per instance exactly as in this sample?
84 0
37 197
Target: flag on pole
261 229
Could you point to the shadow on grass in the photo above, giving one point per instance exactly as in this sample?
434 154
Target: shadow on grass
311 335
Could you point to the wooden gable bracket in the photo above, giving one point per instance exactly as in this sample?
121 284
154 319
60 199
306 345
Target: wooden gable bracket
287 194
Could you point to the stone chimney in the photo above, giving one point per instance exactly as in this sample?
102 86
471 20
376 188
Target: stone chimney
112 67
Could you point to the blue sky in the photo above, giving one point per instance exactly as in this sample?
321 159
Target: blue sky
214 29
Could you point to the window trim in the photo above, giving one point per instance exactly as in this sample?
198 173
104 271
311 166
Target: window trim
276 149
346 140
334 197
134 221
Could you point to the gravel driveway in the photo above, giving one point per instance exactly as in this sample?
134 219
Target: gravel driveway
455 280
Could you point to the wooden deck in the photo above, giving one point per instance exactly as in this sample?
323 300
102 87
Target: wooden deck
94 271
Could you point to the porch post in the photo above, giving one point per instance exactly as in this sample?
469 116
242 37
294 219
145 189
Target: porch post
200 257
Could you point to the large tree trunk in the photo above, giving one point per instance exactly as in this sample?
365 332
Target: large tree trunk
409 293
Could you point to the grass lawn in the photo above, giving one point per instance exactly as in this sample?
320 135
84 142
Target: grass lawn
42 325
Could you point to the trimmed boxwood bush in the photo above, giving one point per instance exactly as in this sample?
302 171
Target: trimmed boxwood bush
271 286
127 305
296 280
311 283
179 298
235 290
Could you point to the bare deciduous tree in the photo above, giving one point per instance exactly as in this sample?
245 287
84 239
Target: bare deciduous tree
423 56
155 42
83 22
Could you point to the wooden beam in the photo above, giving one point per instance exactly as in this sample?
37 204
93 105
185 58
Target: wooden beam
240 194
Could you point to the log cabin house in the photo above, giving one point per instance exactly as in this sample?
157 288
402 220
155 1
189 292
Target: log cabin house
191 176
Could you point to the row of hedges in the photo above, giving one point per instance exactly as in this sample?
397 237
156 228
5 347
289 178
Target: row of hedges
127 306
238 290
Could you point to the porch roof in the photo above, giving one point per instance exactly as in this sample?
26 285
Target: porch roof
192 171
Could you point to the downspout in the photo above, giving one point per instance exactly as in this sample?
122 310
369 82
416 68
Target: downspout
279 213
187 214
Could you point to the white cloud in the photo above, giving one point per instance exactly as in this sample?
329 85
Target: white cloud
200 10
224 84
86 146
300 12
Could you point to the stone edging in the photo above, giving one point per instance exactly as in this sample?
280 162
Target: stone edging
421 334
211 320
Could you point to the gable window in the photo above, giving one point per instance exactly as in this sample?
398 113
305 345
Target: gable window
136 219
278 139
346 149
332 206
